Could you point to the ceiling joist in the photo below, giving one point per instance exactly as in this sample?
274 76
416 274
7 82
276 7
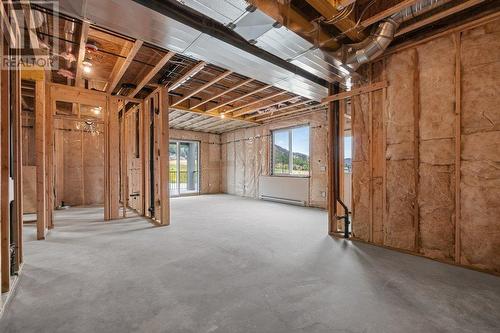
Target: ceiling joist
81 53
152 73
203 87
239 98
257 104
122 66
187 76
239 85
258 107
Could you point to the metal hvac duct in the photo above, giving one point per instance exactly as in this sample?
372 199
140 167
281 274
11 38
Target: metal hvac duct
376 44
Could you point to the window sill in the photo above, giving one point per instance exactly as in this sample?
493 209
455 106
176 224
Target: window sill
291 176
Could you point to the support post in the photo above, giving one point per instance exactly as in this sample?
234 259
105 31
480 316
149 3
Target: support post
41 185
164 158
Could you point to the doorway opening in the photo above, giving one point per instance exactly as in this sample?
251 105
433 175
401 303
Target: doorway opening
184 168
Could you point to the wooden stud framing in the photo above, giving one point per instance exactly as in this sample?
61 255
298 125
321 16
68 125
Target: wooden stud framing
4 181
416 145
41 177
49 158
331 203
164 158
123 164
18 173
458 145
113 156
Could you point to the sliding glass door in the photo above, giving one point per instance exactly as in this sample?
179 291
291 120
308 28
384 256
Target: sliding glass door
184 168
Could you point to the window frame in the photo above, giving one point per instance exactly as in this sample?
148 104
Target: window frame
290 159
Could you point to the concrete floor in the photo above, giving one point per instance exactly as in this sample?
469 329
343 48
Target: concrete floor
229 264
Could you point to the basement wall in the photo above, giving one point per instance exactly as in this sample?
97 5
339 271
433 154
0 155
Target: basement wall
426 159
210 158
246 156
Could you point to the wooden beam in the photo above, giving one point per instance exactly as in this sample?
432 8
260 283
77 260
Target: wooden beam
437 17
81 53
288 16
187 76
239 85
41 206
152 73
258 107
122 66
388 12
203 87
357 91
329 11
70 94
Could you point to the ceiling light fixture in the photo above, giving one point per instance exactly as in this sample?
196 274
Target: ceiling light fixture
87 66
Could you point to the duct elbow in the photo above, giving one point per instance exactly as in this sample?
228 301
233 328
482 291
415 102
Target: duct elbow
374 46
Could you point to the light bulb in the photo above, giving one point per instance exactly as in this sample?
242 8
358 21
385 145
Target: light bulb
223 116
87 69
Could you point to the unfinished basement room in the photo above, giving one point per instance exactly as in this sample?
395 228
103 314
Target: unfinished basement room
253 166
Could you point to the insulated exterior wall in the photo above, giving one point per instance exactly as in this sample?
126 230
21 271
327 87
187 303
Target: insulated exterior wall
436 199
210 158
426 156
480 155
247 153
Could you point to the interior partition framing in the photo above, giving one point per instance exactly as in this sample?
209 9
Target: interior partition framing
112 106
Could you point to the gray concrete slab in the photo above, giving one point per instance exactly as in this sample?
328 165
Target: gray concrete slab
228 264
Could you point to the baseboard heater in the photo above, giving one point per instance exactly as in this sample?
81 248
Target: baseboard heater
289 190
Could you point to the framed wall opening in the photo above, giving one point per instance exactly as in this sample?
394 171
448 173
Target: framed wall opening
184 168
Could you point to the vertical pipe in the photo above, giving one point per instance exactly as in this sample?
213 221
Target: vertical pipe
335 126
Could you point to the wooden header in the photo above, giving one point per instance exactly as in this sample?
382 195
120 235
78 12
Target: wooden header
355 92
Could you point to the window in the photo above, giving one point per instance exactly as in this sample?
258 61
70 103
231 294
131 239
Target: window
291 151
